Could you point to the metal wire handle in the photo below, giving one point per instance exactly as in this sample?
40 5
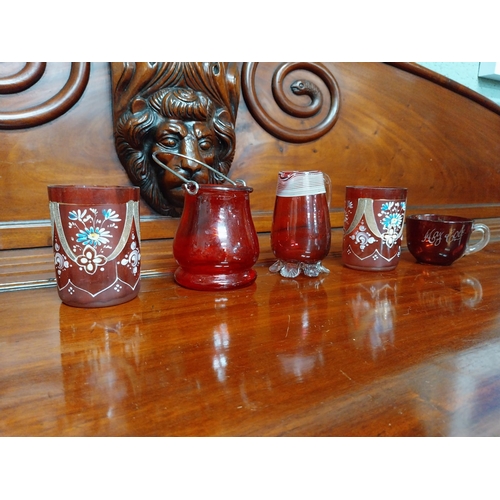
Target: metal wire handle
192 186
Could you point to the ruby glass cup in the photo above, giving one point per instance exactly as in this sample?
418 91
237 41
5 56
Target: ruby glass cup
443 239
96 242
373 227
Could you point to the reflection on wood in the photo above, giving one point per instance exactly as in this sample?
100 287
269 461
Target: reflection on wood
412 352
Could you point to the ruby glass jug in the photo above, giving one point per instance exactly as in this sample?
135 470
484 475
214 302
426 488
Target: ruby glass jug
301 231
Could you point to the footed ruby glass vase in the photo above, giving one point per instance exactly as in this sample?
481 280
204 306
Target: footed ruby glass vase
301 231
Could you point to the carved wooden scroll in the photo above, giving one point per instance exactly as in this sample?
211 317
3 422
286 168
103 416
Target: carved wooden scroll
49 110
298 88
165 111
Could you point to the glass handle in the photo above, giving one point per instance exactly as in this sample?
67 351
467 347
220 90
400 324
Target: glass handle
485 238
328 187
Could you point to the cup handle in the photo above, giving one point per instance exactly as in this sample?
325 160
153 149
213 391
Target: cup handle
328 187
485 238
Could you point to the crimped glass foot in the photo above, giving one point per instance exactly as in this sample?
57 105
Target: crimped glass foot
293 269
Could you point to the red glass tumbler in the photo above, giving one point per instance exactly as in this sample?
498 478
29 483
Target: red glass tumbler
96 242
373 227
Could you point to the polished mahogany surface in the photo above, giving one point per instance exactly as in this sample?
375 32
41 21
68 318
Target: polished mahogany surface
410 352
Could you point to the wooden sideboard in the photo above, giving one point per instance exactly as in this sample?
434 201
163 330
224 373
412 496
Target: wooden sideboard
412 352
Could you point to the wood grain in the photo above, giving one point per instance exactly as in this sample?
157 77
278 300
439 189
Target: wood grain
413 352
394 127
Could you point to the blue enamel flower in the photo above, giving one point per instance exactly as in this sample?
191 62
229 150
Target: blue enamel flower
93 236
110 215
77 215
392 220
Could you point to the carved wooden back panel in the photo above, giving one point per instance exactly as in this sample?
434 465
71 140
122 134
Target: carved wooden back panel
362 123
393 128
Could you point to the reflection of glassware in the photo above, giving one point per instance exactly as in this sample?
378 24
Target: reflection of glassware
221 341
373 309
299 345
442 296
372 306
103 365
476 287
221 346
301 232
